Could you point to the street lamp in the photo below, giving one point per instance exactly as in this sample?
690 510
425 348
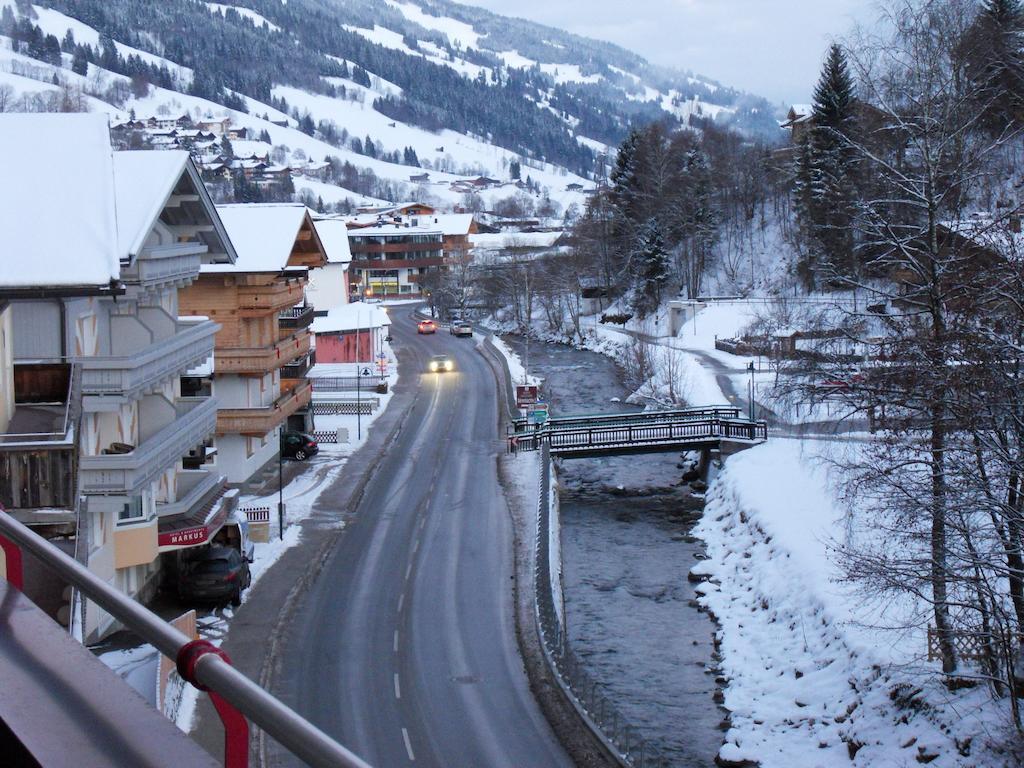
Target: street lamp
280 481
750 369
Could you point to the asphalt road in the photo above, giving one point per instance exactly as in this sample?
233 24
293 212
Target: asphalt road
404 649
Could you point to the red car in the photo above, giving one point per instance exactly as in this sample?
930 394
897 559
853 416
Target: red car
426 326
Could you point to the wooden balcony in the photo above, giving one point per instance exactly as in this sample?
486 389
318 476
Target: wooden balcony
260 300
258 422
295 318
262 359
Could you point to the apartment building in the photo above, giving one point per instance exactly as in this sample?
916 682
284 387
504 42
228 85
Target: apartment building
97 433
263 348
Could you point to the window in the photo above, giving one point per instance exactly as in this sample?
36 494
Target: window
131 510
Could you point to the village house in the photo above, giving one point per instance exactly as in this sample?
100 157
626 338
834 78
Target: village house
262 352
799 119
216 127
390 260
328 287
92 352
351 333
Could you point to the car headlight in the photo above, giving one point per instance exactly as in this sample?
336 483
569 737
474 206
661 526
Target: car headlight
433 366
447 366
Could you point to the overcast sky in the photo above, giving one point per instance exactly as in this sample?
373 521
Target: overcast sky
773 48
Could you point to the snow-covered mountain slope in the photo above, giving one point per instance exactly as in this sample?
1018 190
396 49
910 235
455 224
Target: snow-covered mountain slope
470 93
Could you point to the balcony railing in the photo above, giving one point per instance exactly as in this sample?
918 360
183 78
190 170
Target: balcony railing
194 486
130 375
298 368
295 318
259 300
262 359
262 421
38 454
197 419
233 695
177 263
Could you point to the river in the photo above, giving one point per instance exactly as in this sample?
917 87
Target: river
630 610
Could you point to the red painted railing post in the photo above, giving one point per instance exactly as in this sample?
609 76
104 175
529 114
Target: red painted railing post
15 569
236 727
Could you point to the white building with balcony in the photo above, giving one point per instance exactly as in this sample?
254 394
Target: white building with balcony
91 267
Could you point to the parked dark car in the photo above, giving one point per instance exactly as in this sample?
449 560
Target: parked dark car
214 575
298 445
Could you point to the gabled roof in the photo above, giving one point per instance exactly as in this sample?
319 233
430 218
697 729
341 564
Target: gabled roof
58 232
265 236
351 317
144 183
334 236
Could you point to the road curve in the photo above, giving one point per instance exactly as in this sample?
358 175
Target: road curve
404 648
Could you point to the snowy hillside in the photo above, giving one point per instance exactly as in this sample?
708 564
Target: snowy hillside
424 89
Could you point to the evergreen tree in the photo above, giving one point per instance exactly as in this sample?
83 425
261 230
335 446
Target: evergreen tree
830 174
652 266
226 149
265 136
514 169
995 63
80 62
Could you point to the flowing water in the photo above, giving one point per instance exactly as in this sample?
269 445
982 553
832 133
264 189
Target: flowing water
626 553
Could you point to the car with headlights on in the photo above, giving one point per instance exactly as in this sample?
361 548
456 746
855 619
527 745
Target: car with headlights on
440 364
426 326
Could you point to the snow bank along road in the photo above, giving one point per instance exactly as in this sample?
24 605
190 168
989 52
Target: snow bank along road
404 649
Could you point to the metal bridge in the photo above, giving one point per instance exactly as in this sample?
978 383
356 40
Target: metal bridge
646 432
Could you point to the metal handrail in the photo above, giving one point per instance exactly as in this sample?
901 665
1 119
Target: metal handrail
210 671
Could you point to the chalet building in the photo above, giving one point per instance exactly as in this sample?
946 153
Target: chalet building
391 260
799 120
216 127
328 287
262 351
420 178
351 333
92 352
456 229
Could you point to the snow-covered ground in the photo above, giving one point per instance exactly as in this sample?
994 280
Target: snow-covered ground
818 672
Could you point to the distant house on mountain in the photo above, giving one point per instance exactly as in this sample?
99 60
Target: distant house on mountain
798 121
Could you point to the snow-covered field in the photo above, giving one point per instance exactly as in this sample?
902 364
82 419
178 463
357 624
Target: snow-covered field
818 673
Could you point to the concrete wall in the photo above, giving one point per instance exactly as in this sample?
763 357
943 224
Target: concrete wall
328 287
240 457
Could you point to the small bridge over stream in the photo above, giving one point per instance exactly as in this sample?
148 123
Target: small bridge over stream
687 429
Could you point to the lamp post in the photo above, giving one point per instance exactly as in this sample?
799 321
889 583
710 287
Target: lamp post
280 481
750 368
359 379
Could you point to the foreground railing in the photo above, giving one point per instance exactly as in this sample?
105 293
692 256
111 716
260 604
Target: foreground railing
234 696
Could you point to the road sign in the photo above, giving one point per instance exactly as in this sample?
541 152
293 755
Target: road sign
537 416
364 372
526 395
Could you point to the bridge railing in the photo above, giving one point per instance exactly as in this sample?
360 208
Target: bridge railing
234 696
641 417
626 435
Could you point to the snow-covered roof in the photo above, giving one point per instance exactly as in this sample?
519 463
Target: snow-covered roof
350 317
334 237
263 234
144 181
450 223
57 232
394 230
